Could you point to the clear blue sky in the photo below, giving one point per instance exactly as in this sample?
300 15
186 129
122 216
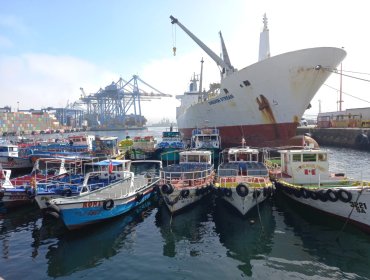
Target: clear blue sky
49 49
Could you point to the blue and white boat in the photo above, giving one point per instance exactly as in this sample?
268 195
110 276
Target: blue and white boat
117 198
71 183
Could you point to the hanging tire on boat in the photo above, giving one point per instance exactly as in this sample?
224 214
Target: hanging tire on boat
227 192
313 195
331 195
242 190
139 196
67 192
167 189
256 194
108 204
344 195
297 193
305 193
322 195
184 193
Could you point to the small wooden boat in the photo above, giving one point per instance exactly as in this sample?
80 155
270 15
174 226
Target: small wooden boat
242 180
188 181
117 198
304 176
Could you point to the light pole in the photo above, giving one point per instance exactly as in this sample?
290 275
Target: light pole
17 106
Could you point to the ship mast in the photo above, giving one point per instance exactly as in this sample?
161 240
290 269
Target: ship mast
226 68
264 51
201 76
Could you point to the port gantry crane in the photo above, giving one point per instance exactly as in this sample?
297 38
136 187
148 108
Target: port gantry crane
119 104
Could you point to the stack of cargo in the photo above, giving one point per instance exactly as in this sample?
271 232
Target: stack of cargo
25 122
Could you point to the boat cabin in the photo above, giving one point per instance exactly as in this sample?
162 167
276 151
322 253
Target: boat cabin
305 165
242 161
203 138
82 140
171 139
196 157
105 146
8 150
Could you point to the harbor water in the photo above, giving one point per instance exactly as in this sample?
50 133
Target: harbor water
277 240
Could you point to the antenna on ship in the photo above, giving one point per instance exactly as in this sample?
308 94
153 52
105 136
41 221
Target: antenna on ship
264 51
201 76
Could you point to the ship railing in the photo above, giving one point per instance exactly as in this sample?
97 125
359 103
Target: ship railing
188 178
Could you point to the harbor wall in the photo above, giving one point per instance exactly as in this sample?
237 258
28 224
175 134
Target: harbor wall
356 138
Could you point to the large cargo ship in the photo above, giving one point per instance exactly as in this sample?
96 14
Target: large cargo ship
262 103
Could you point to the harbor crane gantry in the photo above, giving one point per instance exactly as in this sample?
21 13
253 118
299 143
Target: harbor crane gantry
119 104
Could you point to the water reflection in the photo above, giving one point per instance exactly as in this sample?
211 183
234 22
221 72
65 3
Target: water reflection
344 254
189 226
89 247
244 240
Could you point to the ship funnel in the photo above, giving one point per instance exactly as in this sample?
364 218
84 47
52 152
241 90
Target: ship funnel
264 51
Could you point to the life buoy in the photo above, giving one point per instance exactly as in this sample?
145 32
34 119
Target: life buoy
242 190
167 189
227 192
331 195
184 193
67 192
108 204
344 195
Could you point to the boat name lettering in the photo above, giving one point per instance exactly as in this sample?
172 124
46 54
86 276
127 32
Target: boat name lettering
93 212
360 206
221 99
91 204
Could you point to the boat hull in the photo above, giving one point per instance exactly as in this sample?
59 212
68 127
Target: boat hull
13 198
177 202
243 204
352 207
15 163
263 103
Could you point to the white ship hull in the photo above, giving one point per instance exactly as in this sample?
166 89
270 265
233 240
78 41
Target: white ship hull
263 103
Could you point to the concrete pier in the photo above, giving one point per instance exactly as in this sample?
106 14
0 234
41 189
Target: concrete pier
356 138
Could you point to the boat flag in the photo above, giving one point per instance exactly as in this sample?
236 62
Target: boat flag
110 168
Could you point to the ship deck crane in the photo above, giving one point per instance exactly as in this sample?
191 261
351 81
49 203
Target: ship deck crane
225 64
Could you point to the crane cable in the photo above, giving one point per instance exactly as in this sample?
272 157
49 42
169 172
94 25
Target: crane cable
174 39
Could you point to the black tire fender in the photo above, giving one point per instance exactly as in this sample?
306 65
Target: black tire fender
108 204
242 190
167 188
331 195
344 195
227 192
185 193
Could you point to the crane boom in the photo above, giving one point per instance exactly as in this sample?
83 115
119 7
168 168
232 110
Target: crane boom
215 57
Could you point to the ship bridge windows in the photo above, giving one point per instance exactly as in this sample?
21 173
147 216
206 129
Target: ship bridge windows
309 157
246 83
296 157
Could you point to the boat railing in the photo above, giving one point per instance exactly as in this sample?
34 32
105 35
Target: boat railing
187 178
252 181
